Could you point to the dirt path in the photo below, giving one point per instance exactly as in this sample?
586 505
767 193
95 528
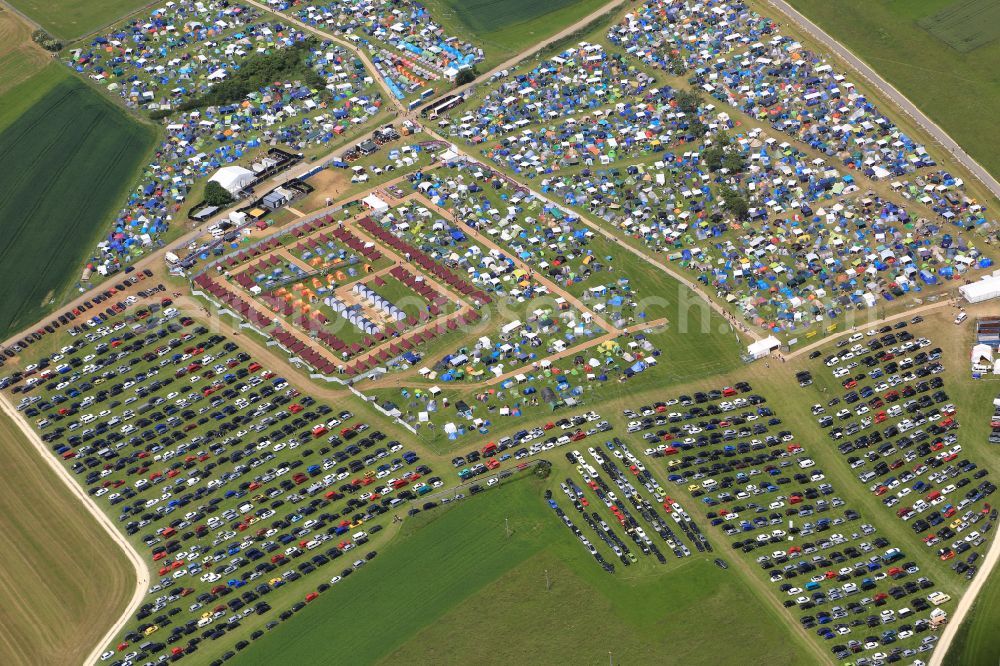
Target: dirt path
965 604
545 43
871 324
142 576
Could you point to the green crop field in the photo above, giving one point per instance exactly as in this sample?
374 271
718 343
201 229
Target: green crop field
505 27
76 155
486 16
481 597
68 19
958 90
965 25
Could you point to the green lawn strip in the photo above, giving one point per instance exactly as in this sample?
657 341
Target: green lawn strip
440 559
977 640
486 593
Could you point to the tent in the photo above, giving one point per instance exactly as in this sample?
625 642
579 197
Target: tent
762 348
233 178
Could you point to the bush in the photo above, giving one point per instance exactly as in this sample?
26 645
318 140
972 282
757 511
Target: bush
46 41
217 195
465 76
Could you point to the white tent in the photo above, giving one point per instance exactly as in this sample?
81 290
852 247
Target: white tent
233 178
375 203
762 348
982 290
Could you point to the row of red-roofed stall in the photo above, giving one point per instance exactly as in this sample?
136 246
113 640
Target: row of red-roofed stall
424 261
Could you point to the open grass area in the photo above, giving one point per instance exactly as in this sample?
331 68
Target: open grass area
958 90
76 154
63 582
68 19
965 25
504 28
977 641
482 596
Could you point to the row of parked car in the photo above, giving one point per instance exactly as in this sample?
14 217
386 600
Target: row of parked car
765 493
86 312
238 486
907 448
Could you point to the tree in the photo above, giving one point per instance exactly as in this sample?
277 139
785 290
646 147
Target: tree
688 101
676 66
733 161
734 203
217 195
698 129
467 75
713 157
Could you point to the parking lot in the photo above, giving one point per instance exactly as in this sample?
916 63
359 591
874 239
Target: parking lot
217 469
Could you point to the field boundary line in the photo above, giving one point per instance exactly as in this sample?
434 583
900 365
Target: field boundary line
142 575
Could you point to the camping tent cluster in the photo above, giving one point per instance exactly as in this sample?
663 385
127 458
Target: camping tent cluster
176 54
803 257
740 58
573 88
352 313
409 46
378 302
425 262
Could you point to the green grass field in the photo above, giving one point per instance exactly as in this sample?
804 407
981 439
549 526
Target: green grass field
69 19
505 27
965 25
481 597
76 155
958 90
977 641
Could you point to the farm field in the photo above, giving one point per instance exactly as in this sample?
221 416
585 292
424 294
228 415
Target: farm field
72 146
20 58
474 577
505 28
69 19
62 581
956 89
